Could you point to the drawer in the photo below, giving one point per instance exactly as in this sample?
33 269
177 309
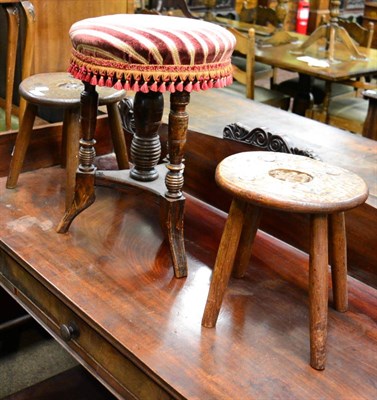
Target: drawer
120 374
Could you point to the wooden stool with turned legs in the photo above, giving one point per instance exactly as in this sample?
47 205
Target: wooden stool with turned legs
60 90
150 55
288 183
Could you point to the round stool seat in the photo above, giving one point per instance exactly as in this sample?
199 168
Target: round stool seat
290 182
59 89
151 53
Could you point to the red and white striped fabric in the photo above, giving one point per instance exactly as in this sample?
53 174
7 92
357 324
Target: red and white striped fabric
151 53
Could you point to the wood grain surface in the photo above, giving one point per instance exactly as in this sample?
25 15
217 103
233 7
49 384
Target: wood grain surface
114 271
288 182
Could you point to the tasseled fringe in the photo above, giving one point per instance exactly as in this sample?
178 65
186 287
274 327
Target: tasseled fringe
137 84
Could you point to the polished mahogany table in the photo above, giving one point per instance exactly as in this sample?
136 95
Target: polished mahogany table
342 69
107 293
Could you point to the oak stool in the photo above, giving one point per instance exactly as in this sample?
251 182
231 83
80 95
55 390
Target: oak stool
149 55
289 183
60 90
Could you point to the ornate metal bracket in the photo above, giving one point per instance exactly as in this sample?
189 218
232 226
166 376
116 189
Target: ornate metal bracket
259 137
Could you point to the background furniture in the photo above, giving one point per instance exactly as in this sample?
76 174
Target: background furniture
323 91
60 90
244 72
282 57
198 7
370 15
48 52
13 10
354 114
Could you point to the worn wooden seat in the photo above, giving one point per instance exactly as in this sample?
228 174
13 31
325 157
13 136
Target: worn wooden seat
289 183
60 90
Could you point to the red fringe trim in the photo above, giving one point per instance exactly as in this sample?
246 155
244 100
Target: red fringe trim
217 77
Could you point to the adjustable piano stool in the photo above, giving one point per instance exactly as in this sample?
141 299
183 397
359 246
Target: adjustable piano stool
150 55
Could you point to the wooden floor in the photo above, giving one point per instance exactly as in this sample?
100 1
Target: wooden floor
116 268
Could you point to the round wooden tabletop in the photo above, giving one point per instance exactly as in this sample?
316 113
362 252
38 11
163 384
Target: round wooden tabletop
290 182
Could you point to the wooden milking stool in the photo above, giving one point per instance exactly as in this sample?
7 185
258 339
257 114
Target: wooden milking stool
60 91
289 183
150 55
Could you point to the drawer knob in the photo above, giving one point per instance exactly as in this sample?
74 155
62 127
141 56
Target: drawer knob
69 331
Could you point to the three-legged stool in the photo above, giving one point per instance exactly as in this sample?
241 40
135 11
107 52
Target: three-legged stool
289 183
60 90
150 55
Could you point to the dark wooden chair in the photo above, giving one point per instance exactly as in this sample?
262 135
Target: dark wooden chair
288 183
244 73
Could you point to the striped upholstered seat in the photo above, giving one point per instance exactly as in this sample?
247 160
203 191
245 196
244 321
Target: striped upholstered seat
151 53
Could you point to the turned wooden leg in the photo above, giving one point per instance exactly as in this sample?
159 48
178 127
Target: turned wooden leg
318 290
177 131
117 135
145 145
84 194
249 231
71 135
172 224
172 205
337 238
224 262
21 145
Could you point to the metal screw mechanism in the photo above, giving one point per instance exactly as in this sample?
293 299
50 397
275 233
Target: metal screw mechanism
69 331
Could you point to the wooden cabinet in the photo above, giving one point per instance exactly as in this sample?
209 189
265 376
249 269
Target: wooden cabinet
53 20
52 46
